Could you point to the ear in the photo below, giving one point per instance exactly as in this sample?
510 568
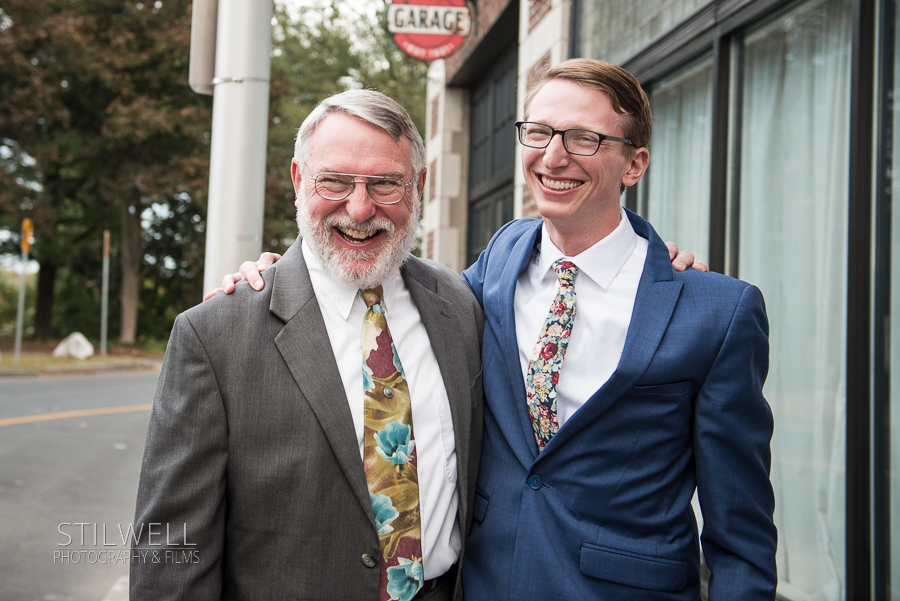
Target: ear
420 185
296 175
638 167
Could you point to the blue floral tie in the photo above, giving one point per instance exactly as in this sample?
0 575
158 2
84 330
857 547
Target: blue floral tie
390 457
548 354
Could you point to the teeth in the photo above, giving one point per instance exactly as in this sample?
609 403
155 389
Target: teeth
559 185
355 234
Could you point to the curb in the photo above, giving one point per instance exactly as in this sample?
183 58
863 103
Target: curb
81 370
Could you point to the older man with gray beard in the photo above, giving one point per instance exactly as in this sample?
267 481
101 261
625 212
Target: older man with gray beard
320 440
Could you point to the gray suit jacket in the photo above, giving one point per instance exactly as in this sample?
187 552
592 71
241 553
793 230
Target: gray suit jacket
252 483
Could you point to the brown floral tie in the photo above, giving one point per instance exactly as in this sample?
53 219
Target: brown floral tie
390 457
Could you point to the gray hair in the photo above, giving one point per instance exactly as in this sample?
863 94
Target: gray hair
372 107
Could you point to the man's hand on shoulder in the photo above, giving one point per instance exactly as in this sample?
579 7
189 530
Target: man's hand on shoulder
249 271
682 260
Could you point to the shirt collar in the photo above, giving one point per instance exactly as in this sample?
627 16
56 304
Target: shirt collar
602 261
342 295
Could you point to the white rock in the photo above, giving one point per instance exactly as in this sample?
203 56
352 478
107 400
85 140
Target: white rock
74 345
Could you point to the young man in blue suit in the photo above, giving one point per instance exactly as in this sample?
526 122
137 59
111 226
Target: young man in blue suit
615 386
659 390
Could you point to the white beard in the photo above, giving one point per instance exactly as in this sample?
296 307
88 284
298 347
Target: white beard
359 268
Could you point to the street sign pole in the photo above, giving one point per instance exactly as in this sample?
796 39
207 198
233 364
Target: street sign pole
104 301
27 232
20 313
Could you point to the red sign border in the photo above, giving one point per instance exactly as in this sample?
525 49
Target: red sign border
443 46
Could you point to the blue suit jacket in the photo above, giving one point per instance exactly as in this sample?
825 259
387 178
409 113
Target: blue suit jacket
605 511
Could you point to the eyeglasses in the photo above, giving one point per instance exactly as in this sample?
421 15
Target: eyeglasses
338 186
575 141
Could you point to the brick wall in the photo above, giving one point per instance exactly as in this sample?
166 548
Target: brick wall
537 69
529 207
486 13
432 178
435 106
429 246
536 11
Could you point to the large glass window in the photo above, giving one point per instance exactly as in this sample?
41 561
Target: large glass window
677 187
793 207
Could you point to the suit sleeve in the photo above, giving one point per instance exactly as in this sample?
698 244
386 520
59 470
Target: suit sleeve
732 436
182 486
475 275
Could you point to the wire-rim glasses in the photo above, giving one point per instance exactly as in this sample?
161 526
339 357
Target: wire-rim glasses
576 141
338 186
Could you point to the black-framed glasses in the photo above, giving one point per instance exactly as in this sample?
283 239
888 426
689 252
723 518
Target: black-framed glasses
338 186
575 141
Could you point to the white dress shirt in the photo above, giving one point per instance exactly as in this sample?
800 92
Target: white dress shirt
605 288
343 310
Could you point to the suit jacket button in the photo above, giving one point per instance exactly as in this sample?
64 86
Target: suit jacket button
368 561
535 482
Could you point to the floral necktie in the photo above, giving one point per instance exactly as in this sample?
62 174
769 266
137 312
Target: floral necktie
548 354
390 458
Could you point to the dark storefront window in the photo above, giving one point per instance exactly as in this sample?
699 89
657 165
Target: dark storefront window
492 153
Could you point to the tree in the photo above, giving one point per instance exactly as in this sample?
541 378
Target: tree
99 129
99 126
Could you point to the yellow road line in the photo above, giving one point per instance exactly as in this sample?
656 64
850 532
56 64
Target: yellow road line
42 417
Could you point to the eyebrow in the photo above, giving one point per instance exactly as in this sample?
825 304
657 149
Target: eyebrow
390 174
582 127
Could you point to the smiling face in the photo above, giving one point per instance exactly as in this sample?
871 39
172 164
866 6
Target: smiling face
358 241
578 196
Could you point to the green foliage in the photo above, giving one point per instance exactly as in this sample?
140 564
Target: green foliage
78 289
9 303
100 130
175 235
98 126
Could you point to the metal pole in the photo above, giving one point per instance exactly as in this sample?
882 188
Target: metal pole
203 45
104 301
20 313
239 132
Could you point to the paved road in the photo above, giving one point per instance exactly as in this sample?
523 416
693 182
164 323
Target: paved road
56 473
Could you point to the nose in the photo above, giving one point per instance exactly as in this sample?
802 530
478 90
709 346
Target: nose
360 205
555 154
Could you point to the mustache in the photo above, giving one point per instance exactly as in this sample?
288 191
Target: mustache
369 226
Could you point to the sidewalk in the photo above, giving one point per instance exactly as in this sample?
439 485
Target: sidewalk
118 591
68 370
37 360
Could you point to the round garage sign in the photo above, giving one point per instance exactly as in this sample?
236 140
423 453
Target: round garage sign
429 29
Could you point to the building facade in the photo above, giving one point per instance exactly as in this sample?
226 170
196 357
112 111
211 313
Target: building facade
771 157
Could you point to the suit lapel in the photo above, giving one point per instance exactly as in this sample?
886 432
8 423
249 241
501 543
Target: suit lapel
657 295
306 349
439 318
503 308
